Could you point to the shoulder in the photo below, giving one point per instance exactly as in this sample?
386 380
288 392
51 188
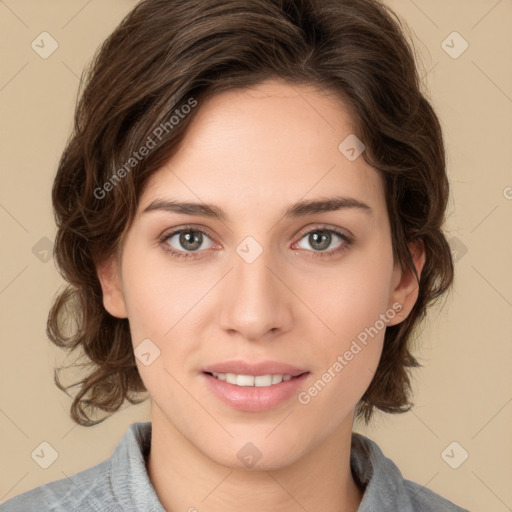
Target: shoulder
425 500
87 490
118 484
385 488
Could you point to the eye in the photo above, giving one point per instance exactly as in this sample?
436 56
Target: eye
189 242
182 242
321 239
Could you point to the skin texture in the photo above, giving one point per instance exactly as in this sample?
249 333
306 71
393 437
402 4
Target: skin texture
253 153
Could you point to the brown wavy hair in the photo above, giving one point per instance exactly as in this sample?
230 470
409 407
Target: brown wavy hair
165 53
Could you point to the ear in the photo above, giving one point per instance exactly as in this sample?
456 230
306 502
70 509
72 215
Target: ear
405 288
109 276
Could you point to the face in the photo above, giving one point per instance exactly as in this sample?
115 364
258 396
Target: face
261 289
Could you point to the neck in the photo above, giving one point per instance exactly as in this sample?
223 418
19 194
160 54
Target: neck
186 479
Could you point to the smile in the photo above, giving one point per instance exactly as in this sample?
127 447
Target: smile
254 393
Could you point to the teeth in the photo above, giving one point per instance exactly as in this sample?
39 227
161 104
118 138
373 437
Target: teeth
251 380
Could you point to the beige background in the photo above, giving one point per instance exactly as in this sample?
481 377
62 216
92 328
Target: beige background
463 393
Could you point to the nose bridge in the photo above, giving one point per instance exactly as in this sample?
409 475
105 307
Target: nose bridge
254 300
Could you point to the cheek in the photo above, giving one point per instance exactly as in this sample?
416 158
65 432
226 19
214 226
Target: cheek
350 298
157 296
352 306
347 362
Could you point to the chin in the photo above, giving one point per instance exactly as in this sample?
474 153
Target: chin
264 459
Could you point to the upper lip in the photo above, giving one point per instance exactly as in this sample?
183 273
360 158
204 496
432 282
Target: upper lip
240 367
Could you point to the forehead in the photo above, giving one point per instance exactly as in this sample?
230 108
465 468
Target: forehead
268 144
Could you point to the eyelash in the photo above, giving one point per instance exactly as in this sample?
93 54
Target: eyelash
348 240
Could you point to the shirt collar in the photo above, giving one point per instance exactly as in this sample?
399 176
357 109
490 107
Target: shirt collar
130 480
379 476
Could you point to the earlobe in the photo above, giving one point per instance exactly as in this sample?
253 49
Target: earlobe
406 287
110 280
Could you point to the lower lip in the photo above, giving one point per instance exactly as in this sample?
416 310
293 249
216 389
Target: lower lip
253 398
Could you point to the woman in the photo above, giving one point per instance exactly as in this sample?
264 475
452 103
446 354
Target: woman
249 217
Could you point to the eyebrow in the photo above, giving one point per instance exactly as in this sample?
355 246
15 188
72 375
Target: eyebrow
298 209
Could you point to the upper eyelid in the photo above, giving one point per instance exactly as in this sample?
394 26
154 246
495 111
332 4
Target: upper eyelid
175 231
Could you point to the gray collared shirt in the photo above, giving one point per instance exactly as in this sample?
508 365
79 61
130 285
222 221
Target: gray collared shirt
121 483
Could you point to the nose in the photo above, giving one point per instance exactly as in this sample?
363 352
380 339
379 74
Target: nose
255 302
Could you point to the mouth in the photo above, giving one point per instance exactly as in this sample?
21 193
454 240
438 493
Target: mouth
255 387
